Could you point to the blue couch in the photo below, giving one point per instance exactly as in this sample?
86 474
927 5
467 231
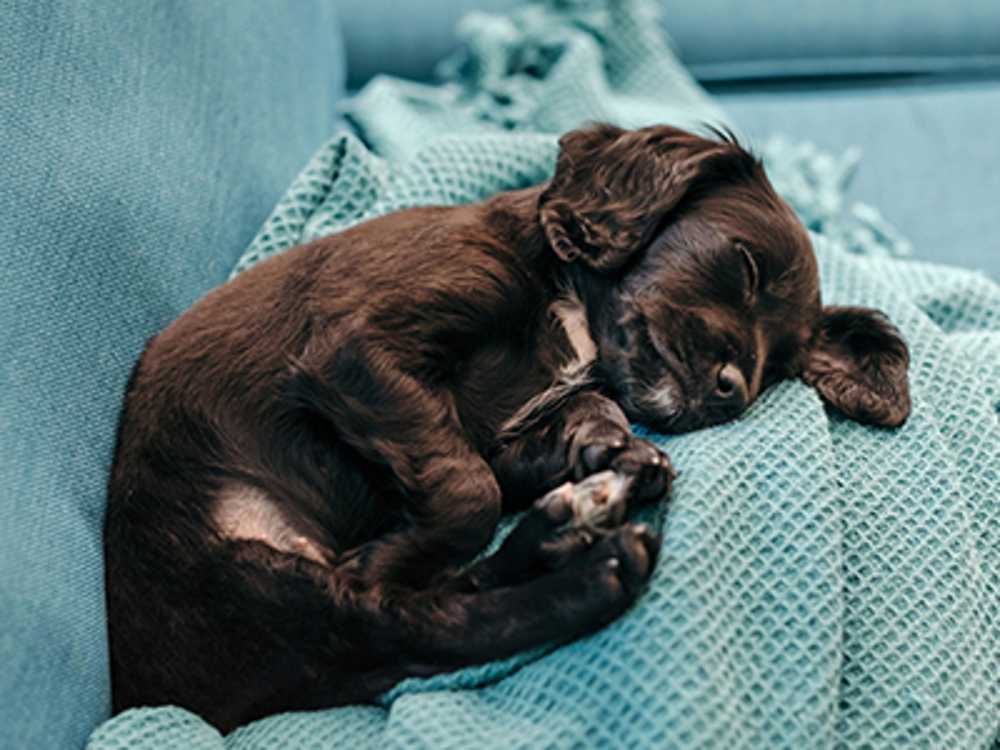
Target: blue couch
143 146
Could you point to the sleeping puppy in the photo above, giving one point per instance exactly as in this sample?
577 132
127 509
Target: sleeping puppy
311 456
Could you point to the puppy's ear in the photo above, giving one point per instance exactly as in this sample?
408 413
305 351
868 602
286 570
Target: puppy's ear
612 188
858 363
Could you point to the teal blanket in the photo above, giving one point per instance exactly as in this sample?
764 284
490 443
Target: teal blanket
822 584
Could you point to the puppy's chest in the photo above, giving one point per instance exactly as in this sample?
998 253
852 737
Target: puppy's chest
571 336
495 378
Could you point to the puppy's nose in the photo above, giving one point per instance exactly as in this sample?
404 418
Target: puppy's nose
731 394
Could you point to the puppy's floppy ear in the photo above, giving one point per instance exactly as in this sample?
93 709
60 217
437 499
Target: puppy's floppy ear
858 363
612 188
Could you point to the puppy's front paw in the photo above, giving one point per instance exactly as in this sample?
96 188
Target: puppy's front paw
647 468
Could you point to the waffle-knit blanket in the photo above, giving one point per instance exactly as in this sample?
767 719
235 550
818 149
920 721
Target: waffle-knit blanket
822 584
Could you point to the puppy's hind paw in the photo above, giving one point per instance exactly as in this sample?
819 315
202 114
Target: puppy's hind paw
631 554
601 584
565 526
595 505
560 526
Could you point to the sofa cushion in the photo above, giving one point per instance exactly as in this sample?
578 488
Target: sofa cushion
138 160
733 39
721 39
925 159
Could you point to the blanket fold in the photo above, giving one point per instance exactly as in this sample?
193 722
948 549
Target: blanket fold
822 584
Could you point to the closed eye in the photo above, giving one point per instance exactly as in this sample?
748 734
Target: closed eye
753 275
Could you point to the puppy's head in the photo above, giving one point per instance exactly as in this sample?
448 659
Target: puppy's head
713 285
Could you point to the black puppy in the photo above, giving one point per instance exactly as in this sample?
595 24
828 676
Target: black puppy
308 456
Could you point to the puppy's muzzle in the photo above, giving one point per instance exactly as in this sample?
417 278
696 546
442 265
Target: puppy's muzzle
731 396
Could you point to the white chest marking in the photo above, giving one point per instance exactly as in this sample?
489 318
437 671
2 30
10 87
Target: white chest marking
572 315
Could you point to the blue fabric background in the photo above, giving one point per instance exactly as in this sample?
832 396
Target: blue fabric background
927 161
719 39
142 147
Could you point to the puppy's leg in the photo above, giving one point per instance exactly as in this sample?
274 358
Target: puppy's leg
558 527
583 434
346 644
412 437
589 591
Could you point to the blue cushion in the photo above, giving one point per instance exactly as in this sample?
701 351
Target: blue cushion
928 161
143 145
404 38
727 39
720 39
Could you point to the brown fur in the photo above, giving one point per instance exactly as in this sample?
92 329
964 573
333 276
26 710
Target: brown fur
309 456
